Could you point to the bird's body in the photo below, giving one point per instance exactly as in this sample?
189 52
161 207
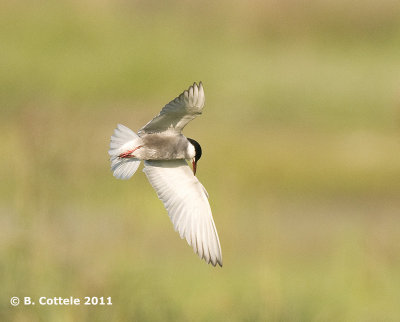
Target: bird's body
164 149
164 146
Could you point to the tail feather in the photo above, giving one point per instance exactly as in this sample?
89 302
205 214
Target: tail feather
124 169
122 140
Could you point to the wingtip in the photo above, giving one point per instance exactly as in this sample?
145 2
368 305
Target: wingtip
219 261
199 94
201 89
199 86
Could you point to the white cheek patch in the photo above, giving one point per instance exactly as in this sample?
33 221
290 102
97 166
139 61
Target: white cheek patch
191 151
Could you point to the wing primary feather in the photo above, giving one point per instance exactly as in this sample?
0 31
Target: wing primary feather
191 96
199 240
195 94
204 235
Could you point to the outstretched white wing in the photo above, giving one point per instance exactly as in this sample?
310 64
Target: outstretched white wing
187 204
176 114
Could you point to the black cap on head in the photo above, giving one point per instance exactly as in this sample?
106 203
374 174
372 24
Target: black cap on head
197 148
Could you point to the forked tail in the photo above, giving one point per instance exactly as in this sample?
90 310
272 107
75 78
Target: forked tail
122 141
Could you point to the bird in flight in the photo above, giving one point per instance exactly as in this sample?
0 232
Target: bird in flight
164 150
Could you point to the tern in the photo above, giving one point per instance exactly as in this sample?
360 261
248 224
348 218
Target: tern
164 150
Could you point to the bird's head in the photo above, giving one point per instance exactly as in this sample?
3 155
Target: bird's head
197 154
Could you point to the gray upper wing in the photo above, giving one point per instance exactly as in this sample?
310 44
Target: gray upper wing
176 114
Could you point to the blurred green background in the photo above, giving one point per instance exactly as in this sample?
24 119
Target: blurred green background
301 158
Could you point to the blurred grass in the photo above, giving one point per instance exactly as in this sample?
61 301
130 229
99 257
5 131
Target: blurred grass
300 159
